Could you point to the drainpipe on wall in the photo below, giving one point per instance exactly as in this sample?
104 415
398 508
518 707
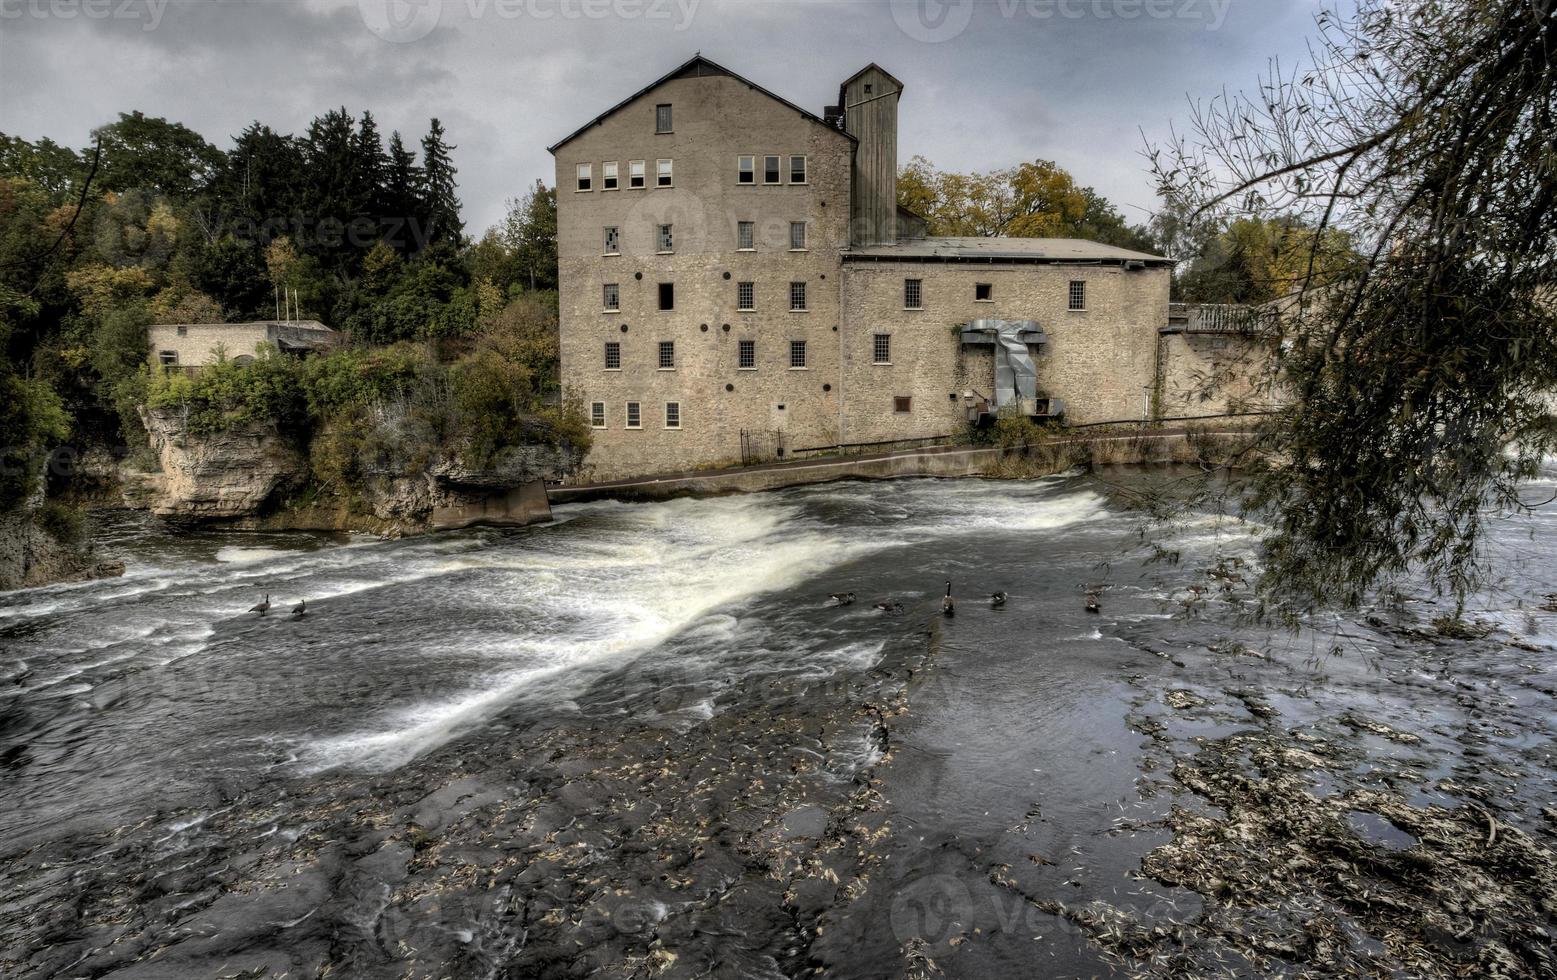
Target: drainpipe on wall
843 289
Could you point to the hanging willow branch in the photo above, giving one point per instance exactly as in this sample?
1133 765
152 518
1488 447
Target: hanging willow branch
1422 378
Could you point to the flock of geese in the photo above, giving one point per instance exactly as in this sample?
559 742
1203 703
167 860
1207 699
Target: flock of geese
949 603
298 611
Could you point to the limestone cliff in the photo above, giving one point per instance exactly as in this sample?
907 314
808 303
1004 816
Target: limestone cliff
233 473
32 555
247 473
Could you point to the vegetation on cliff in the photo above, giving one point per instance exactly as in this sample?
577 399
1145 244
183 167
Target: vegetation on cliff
153 224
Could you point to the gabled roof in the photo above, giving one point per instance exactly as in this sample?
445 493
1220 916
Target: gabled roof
870 67
698 66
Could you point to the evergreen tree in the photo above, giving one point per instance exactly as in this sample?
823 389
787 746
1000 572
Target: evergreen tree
332 190
258 193
402 198
439 202
369 173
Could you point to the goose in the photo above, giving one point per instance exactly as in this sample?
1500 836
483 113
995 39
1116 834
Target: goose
997 598
842 598
948 604
263 607
301 609
890 606
1092 603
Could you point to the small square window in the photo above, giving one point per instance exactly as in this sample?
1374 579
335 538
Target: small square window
662 173
983 292
672 415
613 241
797 354
1078 294
746 234
597 415
635 172
747 356
770 170
608 176
666 242
613 356
902 403
634 416
662 119
881 352
667 355
183 330
667 296
797 170
746 296
913 294
797 296
585 173
797 236
168 358
745 170
612 297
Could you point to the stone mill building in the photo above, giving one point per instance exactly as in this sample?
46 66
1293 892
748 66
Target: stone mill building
738 281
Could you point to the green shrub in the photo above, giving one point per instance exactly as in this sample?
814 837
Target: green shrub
227 394
64 524
32 419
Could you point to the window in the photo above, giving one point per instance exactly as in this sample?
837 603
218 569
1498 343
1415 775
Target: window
597 415
667 355
882 352
746 296
913 294
747 356
662 173
745 170
1078 294
672 415
797 296
902 403
662 119
797 236
664 239
667 296
634 416
797 354
585 170
169 358
983 292
745 235
608 176
613 242
797 170
612 297
635 171
613 356
770 170
183 331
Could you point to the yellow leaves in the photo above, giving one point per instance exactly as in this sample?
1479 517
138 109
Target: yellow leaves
101 288
280 258
1032 200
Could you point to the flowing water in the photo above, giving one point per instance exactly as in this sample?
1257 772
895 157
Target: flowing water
642 740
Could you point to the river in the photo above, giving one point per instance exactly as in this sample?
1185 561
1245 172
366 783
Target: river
641 740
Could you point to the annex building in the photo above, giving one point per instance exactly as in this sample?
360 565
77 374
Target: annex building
737 279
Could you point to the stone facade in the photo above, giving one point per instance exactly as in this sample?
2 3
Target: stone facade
194 345
1215 374
1101 361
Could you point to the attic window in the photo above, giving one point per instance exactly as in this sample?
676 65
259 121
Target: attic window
662 119
867 88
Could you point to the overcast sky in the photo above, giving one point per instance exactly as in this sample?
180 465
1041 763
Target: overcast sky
987 83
